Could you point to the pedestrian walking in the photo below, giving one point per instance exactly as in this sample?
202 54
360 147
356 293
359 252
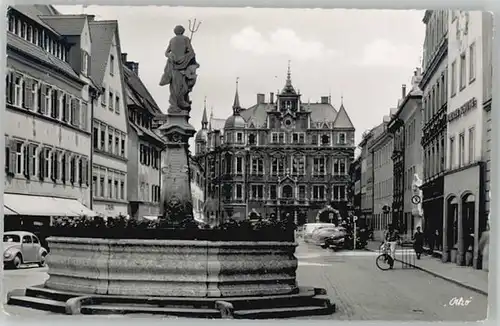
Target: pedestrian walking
418 242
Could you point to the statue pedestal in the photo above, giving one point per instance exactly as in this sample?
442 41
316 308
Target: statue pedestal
176 202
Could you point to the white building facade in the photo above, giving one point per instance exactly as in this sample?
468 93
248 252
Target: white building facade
110 152
464 180
47 140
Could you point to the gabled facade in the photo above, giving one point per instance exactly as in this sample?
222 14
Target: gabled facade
110 121
48 140
281 158
144 145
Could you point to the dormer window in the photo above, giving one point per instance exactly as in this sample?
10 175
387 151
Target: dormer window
12 23
341 138
325 139
30 34
288 105
24 28
251 139
111 65
36 37
239 137
85 61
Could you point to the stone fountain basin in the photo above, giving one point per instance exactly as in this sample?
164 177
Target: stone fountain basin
180 268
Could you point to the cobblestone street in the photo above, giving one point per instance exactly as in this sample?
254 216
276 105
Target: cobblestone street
355 285
363 292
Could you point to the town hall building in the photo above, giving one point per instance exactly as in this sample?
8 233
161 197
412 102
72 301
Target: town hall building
280 158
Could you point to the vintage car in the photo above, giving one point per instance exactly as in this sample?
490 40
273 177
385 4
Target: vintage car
320 236
309 228
22 247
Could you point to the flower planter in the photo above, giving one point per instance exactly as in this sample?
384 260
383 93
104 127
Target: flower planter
184 268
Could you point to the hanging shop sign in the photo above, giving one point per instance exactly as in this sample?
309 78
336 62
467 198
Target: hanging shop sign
463 110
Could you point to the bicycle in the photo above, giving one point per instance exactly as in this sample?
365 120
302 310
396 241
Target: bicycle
384 261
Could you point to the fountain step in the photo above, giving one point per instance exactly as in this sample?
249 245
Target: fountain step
42 292
133 309
38 303
284 312
307 301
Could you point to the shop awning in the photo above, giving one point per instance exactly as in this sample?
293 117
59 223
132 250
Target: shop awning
75 207
45 206
8 211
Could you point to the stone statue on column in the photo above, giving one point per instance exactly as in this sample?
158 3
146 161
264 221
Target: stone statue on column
180 74
180 71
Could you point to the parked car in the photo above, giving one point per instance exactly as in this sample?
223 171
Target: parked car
336 239
21 247
320 235
309 228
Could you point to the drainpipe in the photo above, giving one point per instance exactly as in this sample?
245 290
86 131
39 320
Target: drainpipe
93 97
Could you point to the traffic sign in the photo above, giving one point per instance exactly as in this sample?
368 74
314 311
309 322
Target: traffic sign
355 218
416 199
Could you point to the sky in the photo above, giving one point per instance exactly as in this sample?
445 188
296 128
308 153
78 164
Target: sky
360 56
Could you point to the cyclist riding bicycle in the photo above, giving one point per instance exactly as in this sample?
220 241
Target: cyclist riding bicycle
391 239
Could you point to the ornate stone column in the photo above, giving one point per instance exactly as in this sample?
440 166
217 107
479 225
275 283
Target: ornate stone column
176 202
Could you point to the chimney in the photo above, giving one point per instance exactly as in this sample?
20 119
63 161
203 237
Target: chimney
324 100
91 18
271 98
403 90
124 58
134 66
261 98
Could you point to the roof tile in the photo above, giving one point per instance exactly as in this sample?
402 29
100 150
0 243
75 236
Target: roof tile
35 51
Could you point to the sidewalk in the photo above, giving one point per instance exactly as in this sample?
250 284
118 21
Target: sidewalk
476 280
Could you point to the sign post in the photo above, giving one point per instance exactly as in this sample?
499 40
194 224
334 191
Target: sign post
355 218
